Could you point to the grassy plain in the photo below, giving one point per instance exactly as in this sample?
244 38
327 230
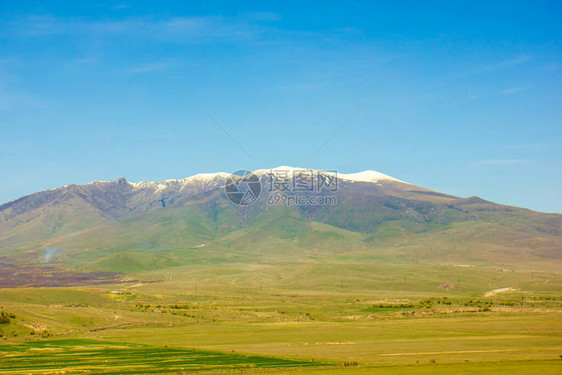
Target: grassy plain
416 319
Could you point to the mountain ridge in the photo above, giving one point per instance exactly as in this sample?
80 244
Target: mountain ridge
173 215
364 176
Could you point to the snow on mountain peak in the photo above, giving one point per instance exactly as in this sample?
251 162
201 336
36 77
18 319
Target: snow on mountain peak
206 176
367 176
220 177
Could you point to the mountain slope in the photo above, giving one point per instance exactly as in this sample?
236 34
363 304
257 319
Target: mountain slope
104 224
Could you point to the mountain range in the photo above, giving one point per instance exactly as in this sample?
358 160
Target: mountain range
123 226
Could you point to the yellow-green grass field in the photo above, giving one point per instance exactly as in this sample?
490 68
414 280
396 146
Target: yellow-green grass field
264 319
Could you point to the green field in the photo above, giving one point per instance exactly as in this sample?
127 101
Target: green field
89 356
257 318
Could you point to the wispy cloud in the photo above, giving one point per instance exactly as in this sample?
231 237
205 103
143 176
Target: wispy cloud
499 162
21 101
175 29
512 90
488 68
143 68
8 60
254 27
509 62
262 16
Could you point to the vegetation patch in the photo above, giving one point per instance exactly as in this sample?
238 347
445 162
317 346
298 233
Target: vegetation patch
101 357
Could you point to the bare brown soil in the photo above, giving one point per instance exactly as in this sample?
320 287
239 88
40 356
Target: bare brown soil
16 276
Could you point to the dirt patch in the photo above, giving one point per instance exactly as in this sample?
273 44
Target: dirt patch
492 293
16 276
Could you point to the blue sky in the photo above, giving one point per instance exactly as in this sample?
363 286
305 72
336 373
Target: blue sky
476 111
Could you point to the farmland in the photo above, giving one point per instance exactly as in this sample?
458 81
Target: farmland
104 357
255 318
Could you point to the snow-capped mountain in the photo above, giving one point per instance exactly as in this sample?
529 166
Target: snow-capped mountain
176 213
211 180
